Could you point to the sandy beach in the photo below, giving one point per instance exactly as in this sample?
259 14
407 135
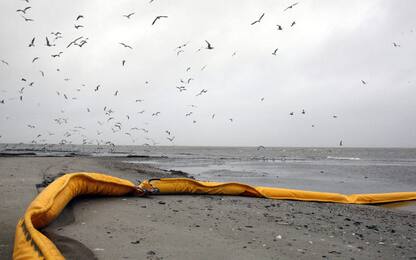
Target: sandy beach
197 227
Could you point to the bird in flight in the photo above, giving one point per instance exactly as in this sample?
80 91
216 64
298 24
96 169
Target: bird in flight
4 62
203 91
116 93
258 20
27 19
156 114
97 87
79 17
35 59
209 46
275 51
293 24
48 43
188 114
364 83
279 27
158 17
32 43
125 45
262 99
290 6
291 113
78 26
56 55
42 73
74 41
128 15
396 44
171 138
24 9
123 62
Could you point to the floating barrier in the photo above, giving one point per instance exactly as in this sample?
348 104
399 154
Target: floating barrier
30 243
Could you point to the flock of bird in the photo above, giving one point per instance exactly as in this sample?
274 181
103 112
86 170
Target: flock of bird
114 120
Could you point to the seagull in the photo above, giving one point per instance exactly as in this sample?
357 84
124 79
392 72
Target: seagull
335 116
257 21
181 88
213 115
291 113
128 15
188 114
293 23
123 62
24 10
42 73
262 99
156 114
188 69
125 45
139 100
202 92
303 111
27 19
79 17
158 17
290 6
4 62
340 143
260 147
78 26
209 46
74 41
396 44
189 80
35 59
179 52
275 51
116 93
96 88
32 43
171 139
168 132
279 27
48 43
364 83
231 120
56 55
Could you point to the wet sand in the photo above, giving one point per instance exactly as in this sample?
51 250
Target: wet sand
198 227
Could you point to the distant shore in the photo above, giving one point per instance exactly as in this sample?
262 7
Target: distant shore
197 227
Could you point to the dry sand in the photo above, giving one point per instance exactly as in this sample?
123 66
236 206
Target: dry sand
198 227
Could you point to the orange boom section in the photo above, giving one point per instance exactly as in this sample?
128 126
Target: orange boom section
185 185
30 243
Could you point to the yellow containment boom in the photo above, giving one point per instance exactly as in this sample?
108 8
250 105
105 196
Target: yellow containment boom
30 243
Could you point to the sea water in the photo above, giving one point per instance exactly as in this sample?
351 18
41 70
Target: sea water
342 170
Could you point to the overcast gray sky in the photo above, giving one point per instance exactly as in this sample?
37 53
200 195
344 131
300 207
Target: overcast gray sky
318 67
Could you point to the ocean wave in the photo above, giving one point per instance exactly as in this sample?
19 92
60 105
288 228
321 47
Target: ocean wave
343 158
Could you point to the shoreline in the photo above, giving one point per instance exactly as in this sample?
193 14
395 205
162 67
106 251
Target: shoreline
191 226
